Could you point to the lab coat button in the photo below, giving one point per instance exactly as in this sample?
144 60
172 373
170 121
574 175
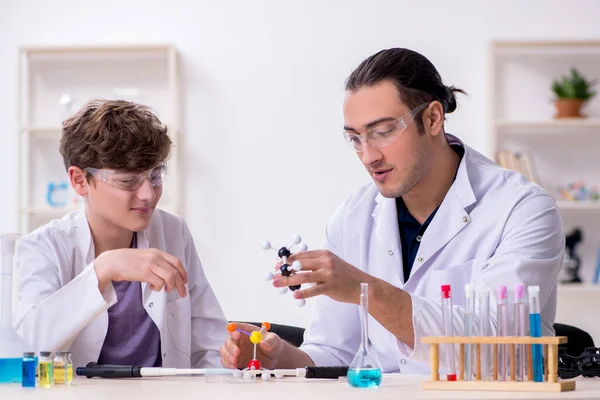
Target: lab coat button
420 259
164 355
419 238
465 219
151 304
390 252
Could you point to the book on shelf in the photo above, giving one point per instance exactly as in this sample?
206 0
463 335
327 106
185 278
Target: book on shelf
519 161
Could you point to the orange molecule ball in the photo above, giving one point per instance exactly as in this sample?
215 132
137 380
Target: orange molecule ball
231 327
266 325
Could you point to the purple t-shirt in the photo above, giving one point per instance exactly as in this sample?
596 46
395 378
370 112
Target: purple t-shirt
132 337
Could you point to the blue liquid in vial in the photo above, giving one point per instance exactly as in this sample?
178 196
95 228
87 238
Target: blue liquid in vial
11 370
364 377
536 349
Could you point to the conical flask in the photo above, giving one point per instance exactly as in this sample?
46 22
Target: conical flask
12 346
365 369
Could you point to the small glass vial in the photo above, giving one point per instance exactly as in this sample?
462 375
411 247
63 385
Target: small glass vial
45 369
59 368
29 370
69 370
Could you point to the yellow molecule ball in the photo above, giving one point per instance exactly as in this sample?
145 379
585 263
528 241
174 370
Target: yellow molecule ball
256 337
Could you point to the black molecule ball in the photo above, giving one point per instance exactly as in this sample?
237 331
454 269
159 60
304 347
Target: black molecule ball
286 270
284 252
294 288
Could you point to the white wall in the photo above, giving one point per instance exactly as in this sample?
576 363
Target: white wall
262 91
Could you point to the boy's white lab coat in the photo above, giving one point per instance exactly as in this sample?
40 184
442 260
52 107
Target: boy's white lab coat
59 305
493 227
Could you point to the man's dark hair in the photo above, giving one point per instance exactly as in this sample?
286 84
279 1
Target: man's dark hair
415 78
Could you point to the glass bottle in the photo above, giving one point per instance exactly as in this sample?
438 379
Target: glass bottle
45 369
59 365
29 370
69 369
365 369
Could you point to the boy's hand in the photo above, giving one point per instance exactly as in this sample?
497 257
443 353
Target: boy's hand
155 267
238 350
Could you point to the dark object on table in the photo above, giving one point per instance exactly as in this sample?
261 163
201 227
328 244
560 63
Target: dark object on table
573 262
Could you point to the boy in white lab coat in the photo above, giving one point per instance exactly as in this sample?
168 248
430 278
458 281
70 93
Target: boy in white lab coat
118 282
437 212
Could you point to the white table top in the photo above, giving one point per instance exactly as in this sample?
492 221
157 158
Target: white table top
393 386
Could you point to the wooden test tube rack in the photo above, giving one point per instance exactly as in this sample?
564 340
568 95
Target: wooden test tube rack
550 348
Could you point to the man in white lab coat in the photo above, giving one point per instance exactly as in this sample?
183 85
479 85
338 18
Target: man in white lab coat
118 282
437 212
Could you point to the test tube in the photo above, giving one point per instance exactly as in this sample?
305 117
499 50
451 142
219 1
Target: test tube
502 331
469 311
519 331
535 326
447 320
484 326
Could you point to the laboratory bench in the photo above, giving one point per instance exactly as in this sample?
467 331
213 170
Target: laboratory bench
393 386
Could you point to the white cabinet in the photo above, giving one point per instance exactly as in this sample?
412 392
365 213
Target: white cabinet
522 120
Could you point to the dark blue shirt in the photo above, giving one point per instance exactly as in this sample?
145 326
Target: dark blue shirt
411 232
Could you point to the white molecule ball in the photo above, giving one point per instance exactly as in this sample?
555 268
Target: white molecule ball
301 303
296 265
266 245
265 376
269 276
248 375
303 247
283 290
296 239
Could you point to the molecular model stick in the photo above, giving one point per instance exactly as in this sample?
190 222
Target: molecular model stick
287 270
255 337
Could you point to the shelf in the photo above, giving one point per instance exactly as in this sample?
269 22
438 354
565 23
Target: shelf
49 212
42 130
579 288
567 205
547 48
551 126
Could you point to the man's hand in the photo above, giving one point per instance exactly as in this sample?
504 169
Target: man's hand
331 275
155 267
238 350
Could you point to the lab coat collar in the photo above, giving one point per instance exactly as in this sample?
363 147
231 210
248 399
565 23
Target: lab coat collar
451 217
84 236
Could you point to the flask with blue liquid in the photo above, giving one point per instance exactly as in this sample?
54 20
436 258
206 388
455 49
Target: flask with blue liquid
365 369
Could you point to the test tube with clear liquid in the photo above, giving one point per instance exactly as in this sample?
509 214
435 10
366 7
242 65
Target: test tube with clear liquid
502 316
484 327
519 331
365 369
469 312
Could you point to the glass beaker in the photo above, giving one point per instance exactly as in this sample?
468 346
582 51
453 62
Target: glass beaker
365 369
12 345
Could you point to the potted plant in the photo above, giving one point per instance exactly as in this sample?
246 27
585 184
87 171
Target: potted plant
571 93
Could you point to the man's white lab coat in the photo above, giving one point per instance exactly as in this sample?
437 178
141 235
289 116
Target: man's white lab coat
59 305
493 227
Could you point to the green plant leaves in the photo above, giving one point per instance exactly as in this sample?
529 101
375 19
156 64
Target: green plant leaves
575 86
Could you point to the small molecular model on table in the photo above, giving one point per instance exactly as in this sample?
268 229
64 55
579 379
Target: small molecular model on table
255 337
286 269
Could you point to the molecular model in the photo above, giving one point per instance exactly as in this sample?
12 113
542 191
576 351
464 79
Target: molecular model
255 337
286 269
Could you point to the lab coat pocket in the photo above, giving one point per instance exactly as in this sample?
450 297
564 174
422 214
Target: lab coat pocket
179 324
456 276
